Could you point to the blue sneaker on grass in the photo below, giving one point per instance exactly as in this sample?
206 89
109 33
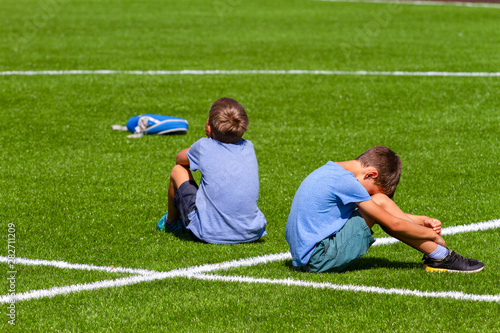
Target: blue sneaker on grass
174 227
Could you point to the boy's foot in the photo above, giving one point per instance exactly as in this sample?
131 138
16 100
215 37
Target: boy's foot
164 225
453 262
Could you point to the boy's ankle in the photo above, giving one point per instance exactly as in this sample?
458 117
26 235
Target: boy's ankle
439 253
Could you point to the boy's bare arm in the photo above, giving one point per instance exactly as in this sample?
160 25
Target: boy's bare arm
418 219
182 158
427 222
398 225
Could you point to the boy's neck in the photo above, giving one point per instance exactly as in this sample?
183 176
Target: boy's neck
365 175
353 166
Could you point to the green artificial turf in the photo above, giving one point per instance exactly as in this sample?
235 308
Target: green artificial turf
78 192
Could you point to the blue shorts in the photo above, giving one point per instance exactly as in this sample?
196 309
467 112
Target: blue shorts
185 199
185 202
336 252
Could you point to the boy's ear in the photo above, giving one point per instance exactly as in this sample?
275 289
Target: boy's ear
371 172
208 130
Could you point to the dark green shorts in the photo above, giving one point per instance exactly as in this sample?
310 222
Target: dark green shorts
336 252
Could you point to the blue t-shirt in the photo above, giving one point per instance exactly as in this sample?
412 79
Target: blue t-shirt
322 205
226 202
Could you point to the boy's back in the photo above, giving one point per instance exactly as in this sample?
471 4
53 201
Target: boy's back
226 201
223 209
323 203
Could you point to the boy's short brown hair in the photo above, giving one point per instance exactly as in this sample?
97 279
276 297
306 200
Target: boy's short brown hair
228 120
388 165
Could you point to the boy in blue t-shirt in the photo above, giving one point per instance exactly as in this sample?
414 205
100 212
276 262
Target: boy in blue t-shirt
223 210
336 206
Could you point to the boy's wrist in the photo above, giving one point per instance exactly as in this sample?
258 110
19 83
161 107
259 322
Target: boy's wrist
439 240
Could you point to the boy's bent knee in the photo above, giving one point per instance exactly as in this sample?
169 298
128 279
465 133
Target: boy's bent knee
180 174
179 169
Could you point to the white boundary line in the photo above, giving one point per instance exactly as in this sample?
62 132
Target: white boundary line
349 287
252 72
197 272
421 3
493 224
65 265
35 294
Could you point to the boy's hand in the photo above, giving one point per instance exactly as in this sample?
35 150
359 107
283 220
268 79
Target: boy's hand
434 224
440 240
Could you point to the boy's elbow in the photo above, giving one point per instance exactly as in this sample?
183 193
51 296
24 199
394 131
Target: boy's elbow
182 158
182 161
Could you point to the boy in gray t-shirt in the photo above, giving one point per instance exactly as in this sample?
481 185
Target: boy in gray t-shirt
223 210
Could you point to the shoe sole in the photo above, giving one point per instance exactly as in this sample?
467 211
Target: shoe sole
440 270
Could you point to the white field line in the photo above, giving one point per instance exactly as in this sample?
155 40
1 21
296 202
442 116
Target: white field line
349 287
450 231
422 3
66 265
471 227
34 294
197 272
239 263
252 72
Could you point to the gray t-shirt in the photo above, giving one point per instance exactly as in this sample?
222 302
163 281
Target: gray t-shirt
226 202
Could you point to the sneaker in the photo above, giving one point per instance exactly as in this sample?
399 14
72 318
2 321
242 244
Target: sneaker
164 225
453 262
161 224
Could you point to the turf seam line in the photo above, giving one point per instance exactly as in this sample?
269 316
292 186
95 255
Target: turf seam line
251 72
197 272
420 3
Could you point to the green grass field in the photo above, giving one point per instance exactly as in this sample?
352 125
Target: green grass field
74 191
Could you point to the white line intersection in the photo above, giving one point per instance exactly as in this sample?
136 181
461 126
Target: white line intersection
199 272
